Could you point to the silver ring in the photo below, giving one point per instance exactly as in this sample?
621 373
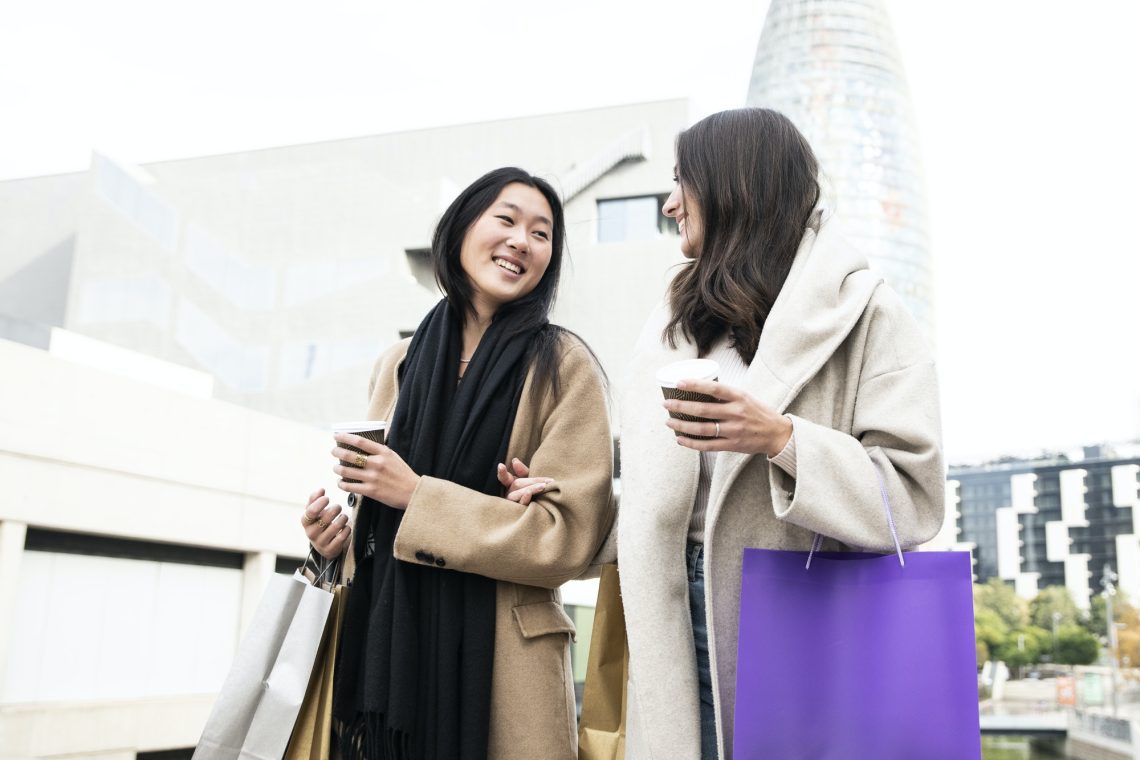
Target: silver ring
717 430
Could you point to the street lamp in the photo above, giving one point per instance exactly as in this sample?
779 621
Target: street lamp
1056 621
1107 580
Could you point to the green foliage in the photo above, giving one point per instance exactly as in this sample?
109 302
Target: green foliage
1050 600
1093 621
1076 646
989 630
1021 634
1024 646
999 597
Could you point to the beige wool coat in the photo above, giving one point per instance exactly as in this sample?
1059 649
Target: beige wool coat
841 355
529 550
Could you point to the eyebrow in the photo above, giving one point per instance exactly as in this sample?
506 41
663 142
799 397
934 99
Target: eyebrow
518 210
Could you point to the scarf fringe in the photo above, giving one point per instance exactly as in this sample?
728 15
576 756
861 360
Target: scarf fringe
368 737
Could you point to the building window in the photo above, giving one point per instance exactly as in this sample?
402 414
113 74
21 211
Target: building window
100 618
632 219
167 754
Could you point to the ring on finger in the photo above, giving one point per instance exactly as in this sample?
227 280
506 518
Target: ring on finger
322 524
360 460
717 430
309 519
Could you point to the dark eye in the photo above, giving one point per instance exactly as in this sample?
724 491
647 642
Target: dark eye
505 218
675 178
543 234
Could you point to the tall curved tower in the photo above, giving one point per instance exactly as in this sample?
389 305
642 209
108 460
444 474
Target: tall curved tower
834 69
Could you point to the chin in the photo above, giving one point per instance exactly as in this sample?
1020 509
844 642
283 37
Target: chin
506 297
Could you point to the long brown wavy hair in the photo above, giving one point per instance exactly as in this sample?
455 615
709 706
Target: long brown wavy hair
753 177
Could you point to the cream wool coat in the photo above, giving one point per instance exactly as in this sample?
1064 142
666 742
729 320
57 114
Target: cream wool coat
843 357
529 550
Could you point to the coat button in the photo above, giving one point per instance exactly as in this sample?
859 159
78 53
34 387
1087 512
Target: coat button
421 556
429 557
439 562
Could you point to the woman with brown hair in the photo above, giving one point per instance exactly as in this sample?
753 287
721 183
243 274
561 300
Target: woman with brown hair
824 380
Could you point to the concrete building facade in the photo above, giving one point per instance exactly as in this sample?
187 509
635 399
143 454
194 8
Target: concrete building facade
284 272
139 523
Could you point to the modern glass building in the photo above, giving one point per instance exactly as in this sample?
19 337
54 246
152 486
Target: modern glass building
1053 522
833 68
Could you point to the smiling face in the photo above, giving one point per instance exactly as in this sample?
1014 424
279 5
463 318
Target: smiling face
683 207
506 250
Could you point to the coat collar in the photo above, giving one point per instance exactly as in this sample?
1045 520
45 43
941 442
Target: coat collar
826 292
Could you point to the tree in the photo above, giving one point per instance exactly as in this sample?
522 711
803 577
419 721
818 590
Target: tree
1023 646
1050 600
1095 622
999 597
989 633
1076 646
1128 636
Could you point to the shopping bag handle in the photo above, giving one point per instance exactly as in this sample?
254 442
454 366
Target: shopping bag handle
324 570
817 541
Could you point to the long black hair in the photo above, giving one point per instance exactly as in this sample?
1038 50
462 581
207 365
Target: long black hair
531 310
754 179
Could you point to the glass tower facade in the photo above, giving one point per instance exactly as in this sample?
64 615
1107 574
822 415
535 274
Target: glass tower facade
833 68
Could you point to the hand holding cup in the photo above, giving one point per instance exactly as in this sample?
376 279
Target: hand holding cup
736 421
369 468
373 430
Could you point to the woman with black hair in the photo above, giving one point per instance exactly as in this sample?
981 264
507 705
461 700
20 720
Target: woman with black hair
455 644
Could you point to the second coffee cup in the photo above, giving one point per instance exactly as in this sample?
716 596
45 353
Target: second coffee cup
688 369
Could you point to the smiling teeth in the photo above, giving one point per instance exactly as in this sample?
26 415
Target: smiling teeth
509 266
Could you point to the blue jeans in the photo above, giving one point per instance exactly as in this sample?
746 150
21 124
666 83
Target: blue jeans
695 560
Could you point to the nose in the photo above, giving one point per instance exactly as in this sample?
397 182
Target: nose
672 207
517 240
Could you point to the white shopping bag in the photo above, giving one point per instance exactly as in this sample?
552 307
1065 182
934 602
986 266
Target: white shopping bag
254 714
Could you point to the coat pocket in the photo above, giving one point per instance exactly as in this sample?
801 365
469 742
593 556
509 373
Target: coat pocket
542 618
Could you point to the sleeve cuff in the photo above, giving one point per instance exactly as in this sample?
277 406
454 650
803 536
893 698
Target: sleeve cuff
786 459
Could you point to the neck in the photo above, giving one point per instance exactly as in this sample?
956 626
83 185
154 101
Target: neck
474 327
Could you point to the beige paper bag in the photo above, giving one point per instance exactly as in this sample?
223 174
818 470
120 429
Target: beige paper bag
601 731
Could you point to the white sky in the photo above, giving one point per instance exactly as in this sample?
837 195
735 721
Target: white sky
1027 111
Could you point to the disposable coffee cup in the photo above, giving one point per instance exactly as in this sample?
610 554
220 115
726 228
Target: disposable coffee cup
373 430
688 369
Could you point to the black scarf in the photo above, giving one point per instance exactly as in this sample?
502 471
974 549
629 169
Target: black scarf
413 676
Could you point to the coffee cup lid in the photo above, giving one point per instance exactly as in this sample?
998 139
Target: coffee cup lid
687 369
356 427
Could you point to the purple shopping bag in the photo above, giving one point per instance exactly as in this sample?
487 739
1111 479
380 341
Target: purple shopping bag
856 656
